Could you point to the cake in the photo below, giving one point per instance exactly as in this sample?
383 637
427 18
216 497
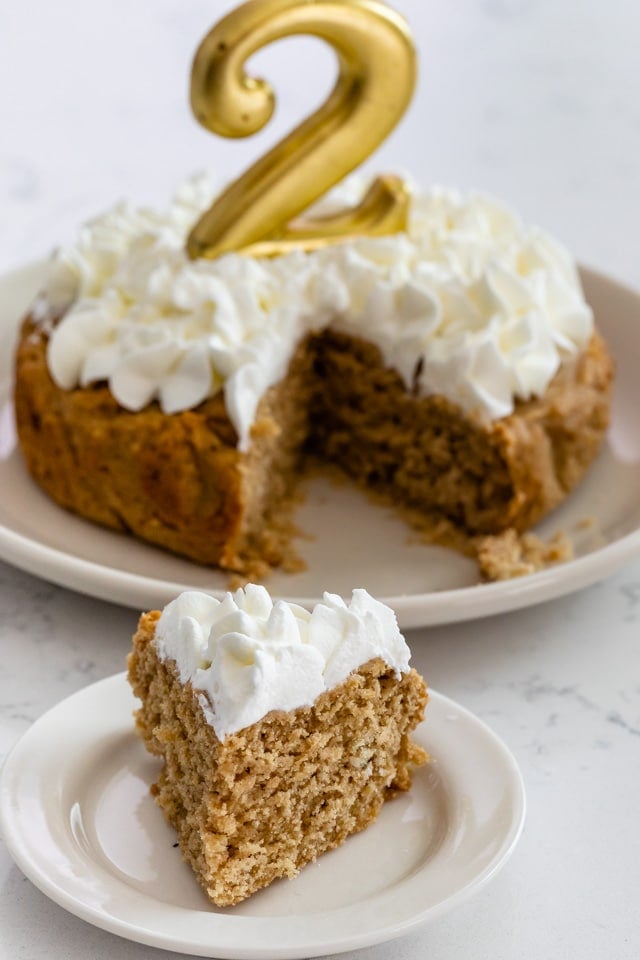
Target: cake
454 370
282 732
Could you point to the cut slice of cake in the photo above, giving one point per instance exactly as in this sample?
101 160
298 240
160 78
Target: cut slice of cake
282 731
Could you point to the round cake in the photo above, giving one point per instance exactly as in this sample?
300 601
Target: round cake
454 370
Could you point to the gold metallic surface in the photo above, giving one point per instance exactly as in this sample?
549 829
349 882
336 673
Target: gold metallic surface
376 78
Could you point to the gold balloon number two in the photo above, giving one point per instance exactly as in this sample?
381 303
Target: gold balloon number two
377 71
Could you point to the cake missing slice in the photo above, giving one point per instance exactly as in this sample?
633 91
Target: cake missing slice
454 371
330 702
180 481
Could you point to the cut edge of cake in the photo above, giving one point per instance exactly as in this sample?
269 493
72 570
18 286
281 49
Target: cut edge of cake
180 483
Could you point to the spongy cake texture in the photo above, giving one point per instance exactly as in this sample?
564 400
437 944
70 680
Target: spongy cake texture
272 797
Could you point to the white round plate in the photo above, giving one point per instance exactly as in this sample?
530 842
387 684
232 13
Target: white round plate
78 819
351 541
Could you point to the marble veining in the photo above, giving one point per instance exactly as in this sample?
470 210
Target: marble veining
618 721
631 593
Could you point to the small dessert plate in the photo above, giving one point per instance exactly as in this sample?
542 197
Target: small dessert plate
78 819
424 584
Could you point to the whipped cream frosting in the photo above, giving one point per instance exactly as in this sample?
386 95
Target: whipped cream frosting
468 304
248 655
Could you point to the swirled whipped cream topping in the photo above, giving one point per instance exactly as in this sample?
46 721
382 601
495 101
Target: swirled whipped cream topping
468 304
248 655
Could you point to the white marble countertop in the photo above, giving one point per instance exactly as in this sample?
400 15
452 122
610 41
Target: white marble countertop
537 102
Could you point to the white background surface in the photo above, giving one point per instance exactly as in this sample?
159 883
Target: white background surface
536 101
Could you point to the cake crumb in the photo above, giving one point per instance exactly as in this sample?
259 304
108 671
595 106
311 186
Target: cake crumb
587 523
510 554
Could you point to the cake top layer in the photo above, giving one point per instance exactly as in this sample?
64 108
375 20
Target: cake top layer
248 655
469 304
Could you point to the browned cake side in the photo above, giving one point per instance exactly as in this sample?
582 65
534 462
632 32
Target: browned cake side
178 481
273 797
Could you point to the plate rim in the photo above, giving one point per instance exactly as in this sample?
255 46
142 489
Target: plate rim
433 608
42 873
436 608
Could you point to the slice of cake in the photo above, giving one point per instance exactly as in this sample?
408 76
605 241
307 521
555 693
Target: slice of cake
454 370
282 731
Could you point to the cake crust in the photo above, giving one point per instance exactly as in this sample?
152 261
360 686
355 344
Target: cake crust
267 800
180 482
177 481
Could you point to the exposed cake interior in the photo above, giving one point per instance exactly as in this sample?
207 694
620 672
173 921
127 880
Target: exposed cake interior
258 803
180 482
423 453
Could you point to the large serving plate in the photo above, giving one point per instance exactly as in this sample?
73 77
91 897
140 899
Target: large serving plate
351 542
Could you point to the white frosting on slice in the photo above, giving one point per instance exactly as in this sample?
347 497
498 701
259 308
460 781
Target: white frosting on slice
469 304
249 655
